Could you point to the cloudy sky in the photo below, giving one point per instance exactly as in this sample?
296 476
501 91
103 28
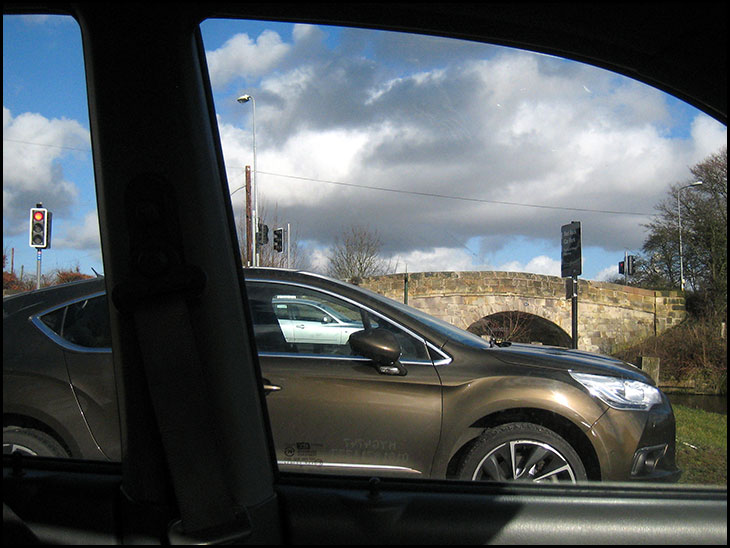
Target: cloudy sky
460 156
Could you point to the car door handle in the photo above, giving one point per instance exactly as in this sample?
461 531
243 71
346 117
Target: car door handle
271 388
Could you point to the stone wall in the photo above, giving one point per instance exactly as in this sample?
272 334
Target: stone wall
609 315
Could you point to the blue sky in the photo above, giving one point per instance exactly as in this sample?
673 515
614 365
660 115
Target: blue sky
461 156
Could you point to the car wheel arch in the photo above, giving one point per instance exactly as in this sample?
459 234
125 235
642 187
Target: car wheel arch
559 424
25 422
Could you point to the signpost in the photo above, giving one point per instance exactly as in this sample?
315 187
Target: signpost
571 266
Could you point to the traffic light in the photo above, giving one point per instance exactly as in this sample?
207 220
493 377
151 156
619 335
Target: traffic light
620 267
279 240
262 236
630 267
40 228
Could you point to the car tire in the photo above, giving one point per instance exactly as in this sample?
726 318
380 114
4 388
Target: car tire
521 452
31 442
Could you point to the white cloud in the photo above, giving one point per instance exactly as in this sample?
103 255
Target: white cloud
84 236
538 265
606 274
707 135
241 56
510 127
33 147
435 260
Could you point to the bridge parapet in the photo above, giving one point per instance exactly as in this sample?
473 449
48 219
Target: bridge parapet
610 315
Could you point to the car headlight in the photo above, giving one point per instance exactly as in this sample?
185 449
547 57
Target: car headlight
619 393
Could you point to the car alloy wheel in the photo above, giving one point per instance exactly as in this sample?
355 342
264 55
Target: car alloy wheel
31 442
522 452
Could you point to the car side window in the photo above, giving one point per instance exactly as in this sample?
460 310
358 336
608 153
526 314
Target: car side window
296 320
67 406
83 323
309 313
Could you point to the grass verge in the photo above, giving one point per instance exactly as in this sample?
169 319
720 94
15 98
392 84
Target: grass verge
701 446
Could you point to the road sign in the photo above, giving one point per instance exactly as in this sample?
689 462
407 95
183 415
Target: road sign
571 263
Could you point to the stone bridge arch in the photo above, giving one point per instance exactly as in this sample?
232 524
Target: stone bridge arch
609 315
524 327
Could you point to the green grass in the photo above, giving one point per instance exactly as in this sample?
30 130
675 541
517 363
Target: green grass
701 446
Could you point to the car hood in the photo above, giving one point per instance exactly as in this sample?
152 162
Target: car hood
553 357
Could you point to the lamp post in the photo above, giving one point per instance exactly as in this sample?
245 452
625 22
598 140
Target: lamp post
679 223
254 209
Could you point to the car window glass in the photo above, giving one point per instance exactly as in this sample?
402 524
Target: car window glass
47 167
309 313
83 323
439 173
87 323
302 321
54 320
446 169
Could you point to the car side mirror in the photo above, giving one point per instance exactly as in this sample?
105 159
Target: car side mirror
381 346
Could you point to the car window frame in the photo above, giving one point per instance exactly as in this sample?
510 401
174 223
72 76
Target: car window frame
310 497
431 349
59 339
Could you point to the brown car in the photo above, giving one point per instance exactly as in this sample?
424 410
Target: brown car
356 383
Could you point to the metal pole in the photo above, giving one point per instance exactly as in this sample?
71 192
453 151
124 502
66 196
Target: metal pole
405 287
574 311
38 270
250 235
626 267
255 177
681 262
288 245
255 208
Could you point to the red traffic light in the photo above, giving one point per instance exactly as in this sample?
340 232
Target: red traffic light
40 228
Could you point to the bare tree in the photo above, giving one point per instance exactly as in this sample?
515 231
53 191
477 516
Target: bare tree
357 255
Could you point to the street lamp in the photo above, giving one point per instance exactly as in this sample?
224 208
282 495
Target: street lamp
679 223
254 208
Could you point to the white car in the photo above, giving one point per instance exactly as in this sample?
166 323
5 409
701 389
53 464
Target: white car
304 321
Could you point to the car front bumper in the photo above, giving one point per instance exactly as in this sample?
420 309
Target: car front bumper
637 445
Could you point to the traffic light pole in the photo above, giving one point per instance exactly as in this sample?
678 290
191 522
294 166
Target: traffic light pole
288 245
38 270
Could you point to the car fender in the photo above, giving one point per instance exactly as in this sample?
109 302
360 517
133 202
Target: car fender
470 407
51 406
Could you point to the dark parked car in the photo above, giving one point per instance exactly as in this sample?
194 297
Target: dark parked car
406 395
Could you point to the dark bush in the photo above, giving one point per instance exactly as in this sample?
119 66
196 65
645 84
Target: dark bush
694 351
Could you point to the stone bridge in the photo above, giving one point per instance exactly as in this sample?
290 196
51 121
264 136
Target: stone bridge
609 315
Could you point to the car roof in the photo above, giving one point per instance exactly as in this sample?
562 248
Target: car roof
36 301
47 297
